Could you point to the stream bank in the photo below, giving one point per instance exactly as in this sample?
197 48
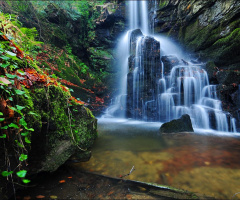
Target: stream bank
68 183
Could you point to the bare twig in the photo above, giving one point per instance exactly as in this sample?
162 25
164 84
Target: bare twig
131 171
235 195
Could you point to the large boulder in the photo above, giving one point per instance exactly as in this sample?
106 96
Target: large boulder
182 124
144 71
64 129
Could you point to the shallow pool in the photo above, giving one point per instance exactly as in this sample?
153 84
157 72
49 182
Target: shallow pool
202 163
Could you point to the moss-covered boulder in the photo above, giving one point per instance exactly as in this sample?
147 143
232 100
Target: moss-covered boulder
182 124
61 128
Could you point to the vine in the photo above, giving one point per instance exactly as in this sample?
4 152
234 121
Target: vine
14 128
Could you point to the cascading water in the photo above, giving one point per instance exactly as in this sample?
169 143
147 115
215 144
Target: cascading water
155 90
139 15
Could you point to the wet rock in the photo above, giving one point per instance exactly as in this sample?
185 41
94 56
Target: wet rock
182 124
212 70
169 62
196 24
142 87
228 77
110 23
80 156
57 155
134 35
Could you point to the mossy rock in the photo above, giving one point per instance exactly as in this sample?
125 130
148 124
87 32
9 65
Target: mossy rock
60 128
226 50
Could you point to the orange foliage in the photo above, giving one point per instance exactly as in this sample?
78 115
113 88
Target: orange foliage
110 193
101 100
82 81
88 90
68 83
5 109
40 197
77 101
16 50
31 78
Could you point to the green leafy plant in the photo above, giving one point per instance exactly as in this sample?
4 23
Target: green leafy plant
14 129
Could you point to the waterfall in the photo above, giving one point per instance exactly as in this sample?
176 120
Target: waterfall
139 15
160 83
118 105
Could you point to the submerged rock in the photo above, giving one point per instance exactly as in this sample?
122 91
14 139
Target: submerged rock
182 124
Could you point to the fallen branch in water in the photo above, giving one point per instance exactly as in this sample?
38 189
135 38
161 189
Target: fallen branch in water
131 171
235 194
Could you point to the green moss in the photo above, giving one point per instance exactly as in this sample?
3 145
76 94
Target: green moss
218 43
89 112
51 105
100 58
226 50
71 68
34 118
59 37
162 3
227 40
235 24
195 36
60 127
83 127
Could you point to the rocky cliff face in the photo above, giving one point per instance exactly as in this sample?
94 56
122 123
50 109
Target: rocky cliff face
209 30
144 69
